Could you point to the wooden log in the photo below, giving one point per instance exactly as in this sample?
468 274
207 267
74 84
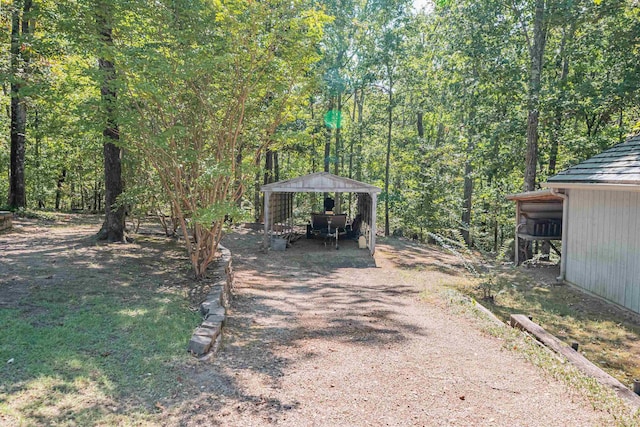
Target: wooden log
488 314
585 366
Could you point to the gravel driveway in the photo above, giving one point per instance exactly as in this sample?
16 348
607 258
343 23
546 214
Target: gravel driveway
319 337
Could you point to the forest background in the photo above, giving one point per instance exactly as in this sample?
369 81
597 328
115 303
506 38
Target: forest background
183 108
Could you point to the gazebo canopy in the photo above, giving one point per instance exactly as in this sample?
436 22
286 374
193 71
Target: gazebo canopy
278 201
320 182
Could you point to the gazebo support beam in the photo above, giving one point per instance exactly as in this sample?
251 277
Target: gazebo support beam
372 236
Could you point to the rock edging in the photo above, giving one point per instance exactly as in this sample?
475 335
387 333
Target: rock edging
6 219
206 337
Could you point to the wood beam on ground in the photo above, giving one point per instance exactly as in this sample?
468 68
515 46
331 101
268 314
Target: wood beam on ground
585 366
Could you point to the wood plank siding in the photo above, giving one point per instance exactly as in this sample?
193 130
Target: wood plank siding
603 244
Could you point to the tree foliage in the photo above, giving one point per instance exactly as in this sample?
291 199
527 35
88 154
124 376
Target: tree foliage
216 97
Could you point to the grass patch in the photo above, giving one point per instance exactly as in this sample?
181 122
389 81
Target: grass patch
90 359
607 335
95 346
601 398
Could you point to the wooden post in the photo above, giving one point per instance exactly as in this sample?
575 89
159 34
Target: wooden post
372 236
516 246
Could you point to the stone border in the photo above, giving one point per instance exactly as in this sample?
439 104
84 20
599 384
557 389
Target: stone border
206 337
6 221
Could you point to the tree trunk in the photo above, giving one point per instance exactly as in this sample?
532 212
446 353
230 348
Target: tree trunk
61 180
467 200
351 145
113 226
388 158
95 197
338 151
327 150
420 125
276 166
327 142
531 157
559 107
20 30
440 135
358 166
268 167
237 179
38 161
338 148
536 54
257 200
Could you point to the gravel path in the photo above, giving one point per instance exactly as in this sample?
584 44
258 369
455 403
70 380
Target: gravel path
319 337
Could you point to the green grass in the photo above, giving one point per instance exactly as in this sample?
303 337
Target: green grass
601 398
92 359
607 335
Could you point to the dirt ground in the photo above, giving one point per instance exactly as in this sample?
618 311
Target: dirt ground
39 254
318 336
324 337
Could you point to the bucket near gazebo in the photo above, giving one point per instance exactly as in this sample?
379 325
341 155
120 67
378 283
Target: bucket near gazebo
278 244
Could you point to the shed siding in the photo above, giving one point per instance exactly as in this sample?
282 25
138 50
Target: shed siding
604 244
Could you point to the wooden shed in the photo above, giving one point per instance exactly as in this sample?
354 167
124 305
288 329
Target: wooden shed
601 224
278 201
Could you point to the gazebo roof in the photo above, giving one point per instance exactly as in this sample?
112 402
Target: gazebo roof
320 182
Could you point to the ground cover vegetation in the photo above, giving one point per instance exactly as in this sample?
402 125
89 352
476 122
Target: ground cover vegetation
605 334
600 397
88 343
92 334
183 108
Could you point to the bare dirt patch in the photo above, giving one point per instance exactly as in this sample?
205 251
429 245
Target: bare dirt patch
324 337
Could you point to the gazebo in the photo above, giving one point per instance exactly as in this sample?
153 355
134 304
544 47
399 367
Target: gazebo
278 201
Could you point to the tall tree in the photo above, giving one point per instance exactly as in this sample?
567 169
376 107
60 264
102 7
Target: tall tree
536 42
388 51
22 26
214 92
113 227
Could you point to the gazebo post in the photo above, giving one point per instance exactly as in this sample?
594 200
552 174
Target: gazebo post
372 235
267 196
516 242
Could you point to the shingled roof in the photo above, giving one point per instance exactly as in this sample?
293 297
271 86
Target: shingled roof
619 164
